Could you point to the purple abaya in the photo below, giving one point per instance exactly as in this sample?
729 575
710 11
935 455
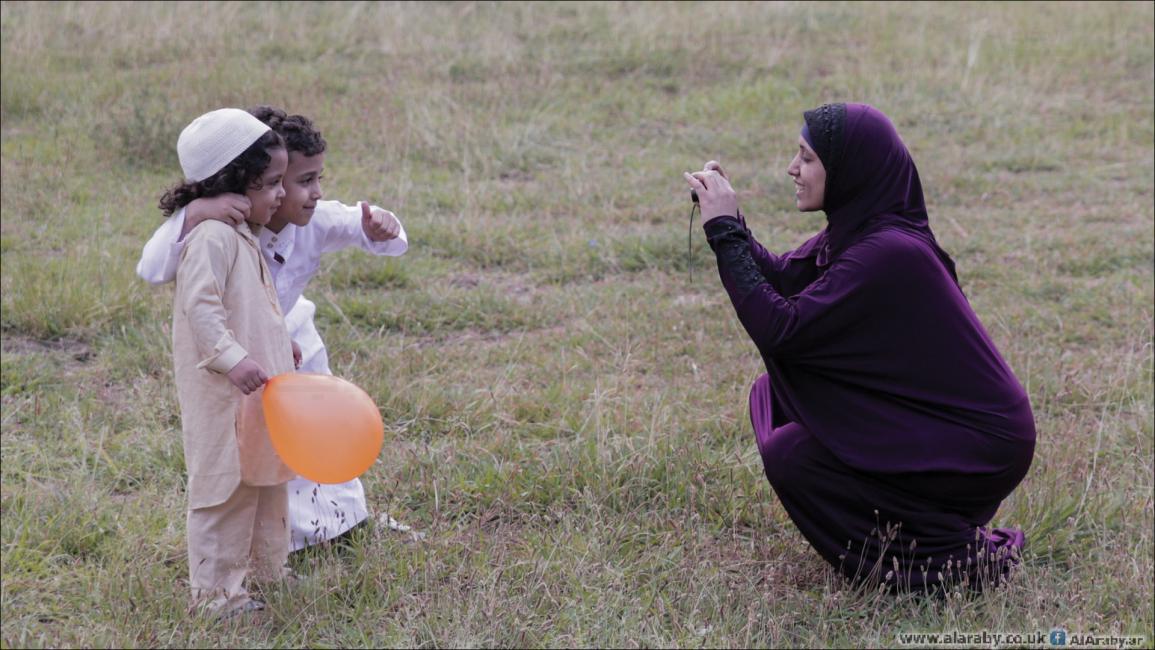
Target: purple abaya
888 424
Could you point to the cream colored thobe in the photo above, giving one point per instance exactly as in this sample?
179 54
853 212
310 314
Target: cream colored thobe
224 310
317 512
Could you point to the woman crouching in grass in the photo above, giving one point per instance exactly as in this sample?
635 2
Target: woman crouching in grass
888 424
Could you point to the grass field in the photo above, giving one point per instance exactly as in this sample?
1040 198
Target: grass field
565 410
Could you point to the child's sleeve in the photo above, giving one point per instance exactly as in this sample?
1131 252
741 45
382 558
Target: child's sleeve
339 226
161 255
201 278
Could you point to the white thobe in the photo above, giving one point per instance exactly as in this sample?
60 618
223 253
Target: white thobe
317 511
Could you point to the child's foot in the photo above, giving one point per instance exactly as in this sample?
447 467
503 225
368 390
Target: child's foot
386 520
261 586
249 606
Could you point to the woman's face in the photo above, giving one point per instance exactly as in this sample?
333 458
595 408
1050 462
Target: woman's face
266 192
809 178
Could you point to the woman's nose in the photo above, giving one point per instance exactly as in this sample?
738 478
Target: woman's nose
792 168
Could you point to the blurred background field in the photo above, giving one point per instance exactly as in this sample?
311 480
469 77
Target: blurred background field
565 409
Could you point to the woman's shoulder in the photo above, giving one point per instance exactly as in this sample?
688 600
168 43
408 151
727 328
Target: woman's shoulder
892 242
891 255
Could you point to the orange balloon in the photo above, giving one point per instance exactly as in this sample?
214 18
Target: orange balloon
325 428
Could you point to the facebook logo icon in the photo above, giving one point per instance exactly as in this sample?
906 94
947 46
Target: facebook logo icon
1058 637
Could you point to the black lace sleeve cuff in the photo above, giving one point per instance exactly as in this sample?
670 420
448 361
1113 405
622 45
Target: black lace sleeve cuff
731 244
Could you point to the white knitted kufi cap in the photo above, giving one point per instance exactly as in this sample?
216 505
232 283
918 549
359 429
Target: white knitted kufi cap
215 139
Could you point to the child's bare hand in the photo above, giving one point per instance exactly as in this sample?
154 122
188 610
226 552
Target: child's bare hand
248 375
378 224
227 208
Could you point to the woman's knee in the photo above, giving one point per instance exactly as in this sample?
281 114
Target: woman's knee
783 455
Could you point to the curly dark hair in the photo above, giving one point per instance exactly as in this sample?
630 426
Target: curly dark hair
297 130
235 177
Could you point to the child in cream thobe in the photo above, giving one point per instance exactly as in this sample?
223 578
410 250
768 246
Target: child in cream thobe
225 309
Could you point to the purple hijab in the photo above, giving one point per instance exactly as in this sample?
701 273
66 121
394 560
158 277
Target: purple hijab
868 341
871 180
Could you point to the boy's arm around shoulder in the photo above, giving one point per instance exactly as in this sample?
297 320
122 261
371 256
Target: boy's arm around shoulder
340 226
161 255
201 280
162 252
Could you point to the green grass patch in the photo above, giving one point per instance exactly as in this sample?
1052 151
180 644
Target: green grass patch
565 408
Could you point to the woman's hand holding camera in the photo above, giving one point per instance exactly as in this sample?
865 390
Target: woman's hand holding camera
716 197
